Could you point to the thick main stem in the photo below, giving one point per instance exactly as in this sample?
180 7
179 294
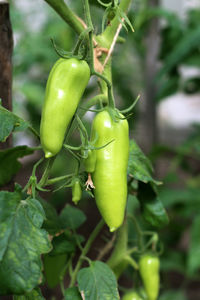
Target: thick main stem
110 31
66 14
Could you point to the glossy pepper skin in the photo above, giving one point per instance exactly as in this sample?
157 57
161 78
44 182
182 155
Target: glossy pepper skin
132 295
110 174
76 191
65 86
90 161
149 265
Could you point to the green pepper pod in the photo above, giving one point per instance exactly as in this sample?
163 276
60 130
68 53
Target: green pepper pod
76 191
132 295
110 174
90 161
149 265
65 86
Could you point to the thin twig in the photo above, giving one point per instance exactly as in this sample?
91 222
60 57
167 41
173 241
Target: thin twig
113 44
106 248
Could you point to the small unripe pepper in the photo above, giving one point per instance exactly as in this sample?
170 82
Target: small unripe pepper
149 265
76 191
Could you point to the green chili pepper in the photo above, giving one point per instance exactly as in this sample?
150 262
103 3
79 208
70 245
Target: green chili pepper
76 191
65 86
110 174
149 265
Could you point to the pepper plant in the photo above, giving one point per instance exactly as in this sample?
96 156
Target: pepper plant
37 244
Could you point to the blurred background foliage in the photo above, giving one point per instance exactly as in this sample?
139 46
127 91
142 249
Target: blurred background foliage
177 166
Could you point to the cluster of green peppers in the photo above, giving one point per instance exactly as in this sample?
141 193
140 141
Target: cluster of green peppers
108 165
106 162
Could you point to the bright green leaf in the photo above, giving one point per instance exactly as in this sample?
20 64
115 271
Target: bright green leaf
98 282
22 241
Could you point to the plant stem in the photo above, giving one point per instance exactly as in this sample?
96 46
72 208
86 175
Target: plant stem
47 170
85 251
57 179
111 101
110 31
66 14
139 232
81 112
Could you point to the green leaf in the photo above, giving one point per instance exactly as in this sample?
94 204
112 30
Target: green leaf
153 210
173 294
71 217
62 244
98 282
171 197
194 247
65 243
52 222
9 162
22 241
188 43
10 122
139 166
72 294
33 295
54 268
173 260
168 87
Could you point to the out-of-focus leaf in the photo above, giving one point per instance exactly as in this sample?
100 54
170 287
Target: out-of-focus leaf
22 241
71 217
173 294
168 87
98 282
139 166
194 247
33 295
188 43
192 60
10 122
9 162
192 85
153 210
72 294
173 261
54 268
171 197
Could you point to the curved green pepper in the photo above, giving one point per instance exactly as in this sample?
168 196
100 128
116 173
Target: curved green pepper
65 86
110 174
149 265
